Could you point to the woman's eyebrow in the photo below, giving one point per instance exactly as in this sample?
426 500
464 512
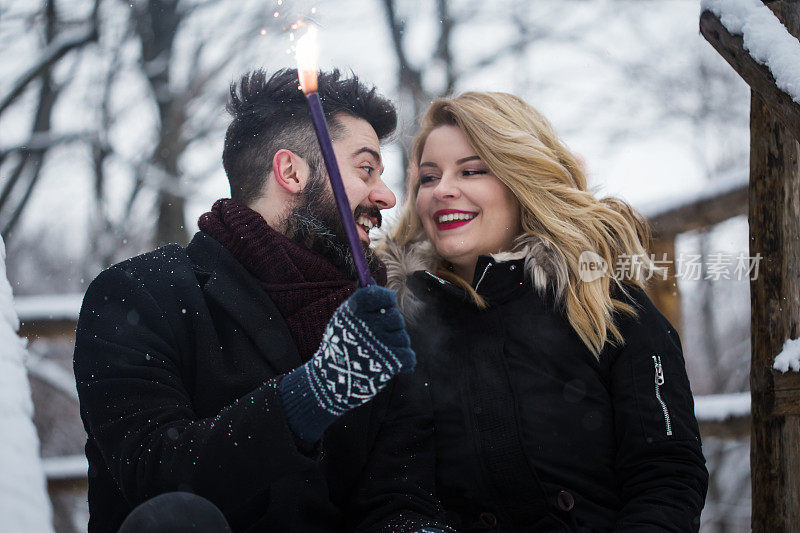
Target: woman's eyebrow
458 162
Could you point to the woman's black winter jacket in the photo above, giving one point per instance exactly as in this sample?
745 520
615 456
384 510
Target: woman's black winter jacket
533 432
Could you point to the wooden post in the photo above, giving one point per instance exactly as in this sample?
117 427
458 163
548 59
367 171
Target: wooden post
774 216
665 293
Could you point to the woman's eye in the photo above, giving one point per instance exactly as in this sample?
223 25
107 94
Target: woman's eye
426 179
474 172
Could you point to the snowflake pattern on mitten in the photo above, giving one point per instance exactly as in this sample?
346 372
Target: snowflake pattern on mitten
351 365
364 345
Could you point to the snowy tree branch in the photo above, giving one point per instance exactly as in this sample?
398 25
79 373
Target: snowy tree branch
45 140
58 49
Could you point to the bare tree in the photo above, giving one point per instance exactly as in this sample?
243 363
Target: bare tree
445 66
186 66
157 23
157 26
25 169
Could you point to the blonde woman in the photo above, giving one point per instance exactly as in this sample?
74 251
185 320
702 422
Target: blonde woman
559 395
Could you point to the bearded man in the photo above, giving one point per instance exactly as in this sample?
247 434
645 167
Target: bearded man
240 383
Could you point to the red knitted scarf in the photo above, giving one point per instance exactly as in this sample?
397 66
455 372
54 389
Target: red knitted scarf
305 286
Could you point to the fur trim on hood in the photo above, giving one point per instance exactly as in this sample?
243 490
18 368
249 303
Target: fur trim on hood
544 264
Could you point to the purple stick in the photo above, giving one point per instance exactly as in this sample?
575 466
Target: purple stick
324 138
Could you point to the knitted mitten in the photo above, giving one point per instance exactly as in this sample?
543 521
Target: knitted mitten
364 345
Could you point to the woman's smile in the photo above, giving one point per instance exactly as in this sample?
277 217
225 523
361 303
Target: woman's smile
447 219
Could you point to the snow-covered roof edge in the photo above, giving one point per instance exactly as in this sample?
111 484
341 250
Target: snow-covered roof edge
764 37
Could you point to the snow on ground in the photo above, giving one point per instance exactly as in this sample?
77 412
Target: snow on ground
789 358
24 504
721 407
764 37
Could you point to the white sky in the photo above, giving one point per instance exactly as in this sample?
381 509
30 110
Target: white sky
613 119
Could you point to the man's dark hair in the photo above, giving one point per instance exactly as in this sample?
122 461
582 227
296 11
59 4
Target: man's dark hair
272 114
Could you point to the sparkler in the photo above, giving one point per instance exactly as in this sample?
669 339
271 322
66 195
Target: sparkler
307 53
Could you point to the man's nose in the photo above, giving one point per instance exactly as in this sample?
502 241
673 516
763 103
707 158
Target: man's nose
382 196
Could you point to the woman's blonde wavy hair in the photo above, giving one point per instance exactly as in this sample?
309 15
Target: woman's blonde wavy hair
521 148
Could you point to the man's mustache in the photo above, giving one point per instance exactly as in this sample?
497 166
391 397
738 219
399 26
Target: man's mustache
371 211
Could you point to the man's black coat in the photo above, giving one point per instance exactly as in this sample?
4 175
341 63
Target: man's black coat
177 358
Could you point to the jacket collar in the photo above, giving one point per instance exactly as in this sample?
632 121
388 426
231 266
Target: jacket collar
543 267
497 281
228 284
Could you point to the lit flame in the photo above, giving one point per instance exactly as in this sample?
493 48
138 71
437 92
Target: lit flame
307 53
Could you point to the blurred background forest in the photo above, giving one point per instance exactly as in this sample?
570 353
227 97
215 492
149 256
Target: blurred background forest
112 121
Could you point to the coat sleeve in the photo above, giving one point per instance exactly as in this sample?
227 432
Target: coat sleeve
397 488
136 409
660 462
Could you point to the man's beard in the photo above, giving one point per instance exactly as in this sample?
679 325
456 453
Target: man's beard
315 222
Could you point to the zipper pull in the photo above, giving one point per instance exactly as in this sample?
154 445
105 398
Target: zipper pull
659 370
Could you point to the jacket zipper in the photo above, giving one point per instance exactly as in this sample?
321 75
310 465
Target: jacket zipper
482 275
660 381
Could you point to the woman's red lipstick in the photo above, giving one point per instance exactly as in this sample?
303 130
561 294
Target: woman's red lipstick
453 224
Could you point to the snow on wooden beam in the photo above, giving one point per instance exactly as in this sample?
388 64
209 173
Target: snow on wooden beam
50 316
765 35
700 213
724 416
721 407
66 474
48 307
66 467
758 77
